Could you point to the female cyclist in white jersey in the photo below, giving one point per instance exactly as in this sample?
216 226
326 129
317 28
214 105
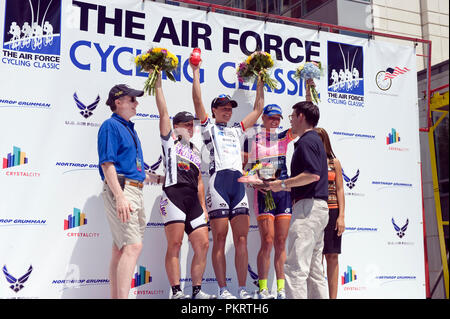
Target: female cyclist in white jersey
226 197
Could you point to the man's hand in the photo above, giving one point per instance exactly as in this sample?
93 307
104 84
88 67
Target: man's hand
275 186
263 188
123 209
340 226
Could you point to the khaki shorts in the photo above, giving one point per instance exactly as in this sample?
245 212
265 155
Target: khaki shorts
131 232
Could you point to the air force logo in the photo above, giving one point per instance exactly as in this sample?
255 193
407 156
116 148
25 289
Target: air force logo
350 181
17 284
86 110
400 231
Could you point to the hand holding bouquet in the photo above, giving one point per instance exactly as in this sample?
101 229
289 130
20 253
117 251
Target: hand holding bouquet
260 173
310 71
156 60
257 65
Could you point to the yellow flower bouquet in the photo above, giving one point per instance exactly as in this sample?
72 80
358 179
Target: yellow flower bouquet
257 65
260 173
156 60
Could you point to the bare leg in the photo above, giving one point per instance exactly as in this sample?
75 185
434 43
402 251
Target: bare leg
219 228
281 232
174 235
332 274
125 268
115 257
240 226
200 245
266 231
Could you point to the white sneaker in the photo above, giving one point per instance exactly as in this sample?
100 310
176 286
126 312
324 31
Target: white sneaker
281 294
243 294
226 295
264 294
204 295
180 295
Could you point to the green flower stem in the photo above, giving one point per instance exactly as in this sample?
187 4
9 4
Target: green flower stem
269 202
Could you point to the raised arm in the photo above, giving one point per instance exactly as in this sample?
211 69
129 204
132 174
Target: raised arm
164 118
258 107
308 97
197 93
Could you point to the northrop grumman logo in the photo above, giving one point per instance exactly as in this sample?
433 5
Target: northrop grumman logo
86 110
17 284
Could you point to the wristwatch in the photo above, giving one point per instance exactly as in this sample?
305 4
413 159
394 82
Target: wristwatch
283 184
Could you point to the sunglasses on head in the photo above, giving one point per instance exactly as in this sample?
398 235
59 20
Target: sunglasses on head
222 97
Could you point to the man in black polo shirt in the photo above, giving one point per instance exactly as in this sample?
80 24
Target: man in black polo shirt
309 192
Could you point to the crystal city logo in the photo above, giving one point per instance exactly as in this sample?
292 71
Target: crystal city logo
141 278
76 220
16 284
86 110
349 280
350 183
345 74
15 159
394 137
400 231
384 78
31 35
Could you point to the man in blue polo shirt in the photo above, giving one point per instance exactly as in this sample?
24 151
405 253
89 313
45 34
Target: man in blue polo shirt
121 166
309 193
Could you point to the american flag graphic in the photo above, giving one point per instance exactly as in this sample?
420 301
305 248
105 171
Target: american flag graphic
393 72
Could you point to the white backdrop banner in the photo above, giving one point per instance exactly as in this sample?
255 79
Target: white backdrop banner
57 63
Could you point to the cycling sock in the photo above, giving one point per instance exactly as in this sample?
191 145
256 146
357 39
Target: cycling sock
175 289
196 290
280 284
262 284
